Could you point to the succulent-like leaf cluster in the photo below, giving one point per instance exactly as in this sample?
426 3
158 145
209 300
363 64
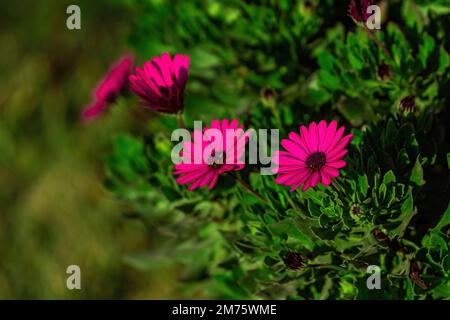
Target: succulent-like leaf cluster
276 64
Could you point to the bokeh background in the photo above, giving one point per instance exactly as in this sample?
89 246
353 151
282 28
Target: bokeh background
54 210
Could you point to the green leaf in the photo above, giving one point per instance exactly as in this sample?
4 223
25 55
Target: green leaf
434 241
426 49
382 192
417 174
391 130
408 204
444 221
389 177
442 291
444 60
329 80
326 60
407 212
363 183
287 228
203 59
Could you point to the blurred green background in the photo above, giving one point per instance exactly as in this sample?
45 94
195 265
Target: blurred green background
54 211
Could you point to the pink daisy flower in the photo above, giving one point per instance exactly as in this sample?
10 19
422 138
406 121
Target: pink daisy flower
313 156
109 88
224 157
160 83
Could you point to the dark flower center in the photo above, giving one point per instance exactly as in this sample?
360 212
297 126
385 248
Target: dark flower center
356 209
215 165
316 161
294 260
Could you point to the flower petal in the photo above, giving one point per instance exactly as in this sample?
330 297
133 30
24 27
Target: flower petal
164 64
151 72
342 144
306 185
178 69
291 169
322 128
336 155
331 130
194 175
288 159
337 137
332 172
294 149
313 141
303 176
304 136
213 181
337 164
284 178
298 140
325 178
314 179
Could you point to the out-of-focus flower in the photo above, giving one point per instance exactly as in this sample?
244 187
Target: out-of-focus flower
313 156
308 5
268 96
408 104
109 88
384 71
225 157
160 83
357 9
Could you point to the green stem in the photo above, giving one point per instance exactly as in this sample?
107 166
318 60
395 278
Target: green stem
336 185
248 187
180 120
377 41
324 266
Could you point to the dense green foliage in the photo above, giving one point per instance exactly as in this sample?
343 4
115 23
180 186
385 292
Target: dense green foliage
279 64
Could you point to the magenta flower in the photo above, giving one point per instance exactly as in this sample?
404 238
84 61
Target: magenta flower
160 83
109 88
357 9
225 156
313 156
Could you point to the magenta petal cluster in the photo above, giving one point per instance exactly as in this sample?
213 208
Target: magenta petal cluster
357 9
313 156
206 173
160 83
109 88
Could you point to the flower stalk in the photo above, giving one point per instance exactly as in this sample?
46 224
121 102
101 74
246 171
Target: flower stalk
248 187
180 120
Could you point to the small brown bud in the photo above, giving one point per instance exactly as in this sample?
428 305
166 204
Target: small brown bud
380 236
384 71
414 274
408 104
294 261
